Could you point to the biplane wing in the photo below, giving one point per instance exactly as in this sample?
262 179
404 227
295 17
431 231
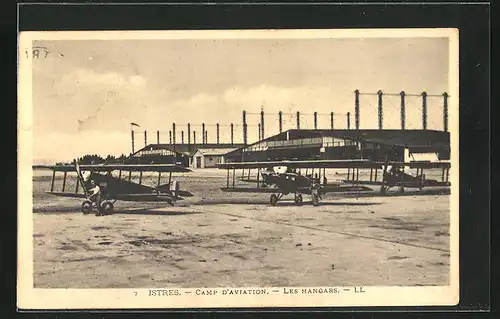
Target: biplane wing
353 163
173 168
302 164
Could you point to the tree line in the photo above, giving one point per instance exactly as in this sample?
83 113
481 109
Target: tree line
97 159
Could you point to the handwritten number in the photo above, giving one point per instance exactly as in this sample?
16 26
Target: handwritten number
135 293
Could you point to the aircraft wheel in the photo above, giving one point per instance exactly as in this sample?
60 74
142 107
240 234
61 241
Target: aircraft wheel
86 207
382 189
106 207
315 199
298 198
273 199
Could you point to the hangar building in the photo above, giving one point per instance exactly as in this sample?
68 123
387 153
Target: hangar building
396 145
208 157
182 154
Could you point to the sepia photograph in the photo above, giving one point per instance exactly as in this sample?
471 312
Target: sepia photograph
238 168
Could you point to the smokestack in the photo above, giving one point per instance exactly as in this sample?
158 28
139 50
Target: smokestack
194 137
232 134
424 110
331 120
259 132
380 112
203 133
206 137
217 133
262 123
157 137
244 127
145 138
280 121
445 111
315 120
356 108
403 110
170 137
348 120
298 120
182 137
189 133
173 132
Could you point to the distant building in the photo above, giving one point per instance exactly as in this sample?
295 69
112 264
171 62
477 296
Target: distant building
181 154
208 157
378 145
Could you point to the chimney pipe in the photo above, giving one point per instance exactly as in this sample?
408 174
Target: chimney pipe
217 133
203 133
262 123
445 111
244 127
424 110
280 121
232 134
380 111
356 108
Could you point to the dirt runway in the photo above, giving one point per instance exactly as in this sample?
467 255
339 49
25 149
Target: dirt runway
216 239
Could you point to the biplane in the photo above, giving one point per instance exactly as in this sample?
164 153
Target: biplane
393 175
121 187
281 178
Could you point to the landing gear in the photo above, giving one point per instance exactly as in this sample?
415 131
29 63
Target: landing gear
106 207
274 199
298 198
86 207
383 189
315 199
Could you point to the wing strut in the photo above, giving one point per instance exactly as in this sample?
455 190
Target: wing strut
64 182
53 178
258 177
234 173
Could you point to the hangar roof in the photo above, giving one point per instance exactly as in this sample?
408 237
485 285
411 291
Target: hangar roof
406 138
215 151
189 149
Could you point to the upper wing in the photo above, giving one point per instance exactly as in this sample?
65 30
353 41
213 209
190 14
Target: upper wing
123 167
358 163
303 164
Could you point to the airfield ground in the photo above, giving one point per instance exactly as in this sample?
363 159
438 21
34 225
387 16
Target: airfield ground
217 239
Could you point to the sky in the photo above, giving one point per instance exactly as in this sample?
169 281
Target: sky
87 92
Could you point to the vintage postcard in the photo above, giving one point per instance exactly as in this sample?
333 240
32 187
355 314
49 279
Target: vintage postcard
238 168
